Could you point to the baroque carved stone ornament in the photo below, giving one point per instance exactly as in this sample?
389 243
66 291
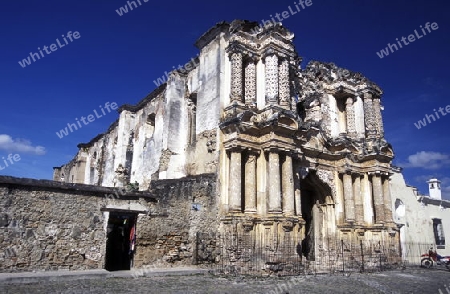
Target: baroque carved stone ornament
287 225
248 225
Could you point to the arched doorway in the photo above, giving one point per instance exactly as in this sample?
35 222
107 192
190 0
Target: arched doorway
318 213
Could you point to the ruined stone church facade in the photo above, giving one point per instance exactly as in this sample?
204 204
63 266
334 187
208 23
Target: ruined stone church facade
297 154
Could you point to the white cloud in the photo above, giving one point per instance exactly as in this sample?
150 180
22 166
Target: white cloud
427 160
9 144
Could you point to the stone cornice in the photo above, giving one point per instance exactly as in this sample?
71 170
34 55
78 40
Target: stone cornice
277 144
372 89
89 190
430 201
141 104
277 31
211 34
334 77
238 143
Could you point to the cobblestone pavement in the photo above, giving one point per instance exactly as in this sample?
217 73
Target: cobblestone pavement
407 281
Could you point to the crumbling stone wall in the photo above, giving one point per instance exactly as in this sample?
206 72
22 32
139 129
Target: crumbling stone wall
168 236
50 230
47 225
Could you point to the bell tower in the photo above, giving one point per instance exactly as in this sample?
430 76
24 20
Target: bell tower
434 186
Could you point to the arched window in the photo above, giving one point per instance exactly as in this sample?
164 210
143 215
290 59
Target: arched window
439 233
341 115
151 119
400 209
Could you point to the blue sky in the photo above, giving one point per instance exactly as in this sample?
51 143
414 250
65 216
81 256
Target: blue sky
117 58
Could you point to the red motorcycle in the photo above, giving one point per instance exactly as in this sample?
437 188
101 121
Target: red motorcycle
431 258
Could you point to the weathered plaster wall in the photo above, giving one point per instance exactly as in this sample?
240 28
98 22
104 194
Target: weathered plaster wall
175 128
158 131
417 219
211 65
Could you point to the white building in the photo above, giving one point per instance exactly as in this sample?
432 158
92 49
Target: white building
424 220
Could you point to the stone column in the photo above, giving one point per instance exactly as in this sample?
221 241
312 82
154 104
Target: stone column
274 183
235 183
350 111
298 193
250 82
288 186
360 117
378 198
377 116
271 79
368 203
387 200
369 118
348 198
359 204
250 184
339 202
283 84
236 76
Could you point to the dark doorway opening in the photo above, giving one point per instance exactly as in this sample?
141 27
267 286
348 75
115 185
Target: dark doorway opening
120 242
308 243
316 214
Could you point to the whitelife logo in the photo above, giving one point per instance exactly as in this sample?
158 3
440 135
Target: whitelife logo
53 47
283 15
124 9
428 117
12 159
90 118
411 38
183 68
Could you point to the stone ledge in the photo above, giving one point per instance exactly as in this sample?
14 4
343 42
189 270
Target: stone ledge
160 184
8 181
